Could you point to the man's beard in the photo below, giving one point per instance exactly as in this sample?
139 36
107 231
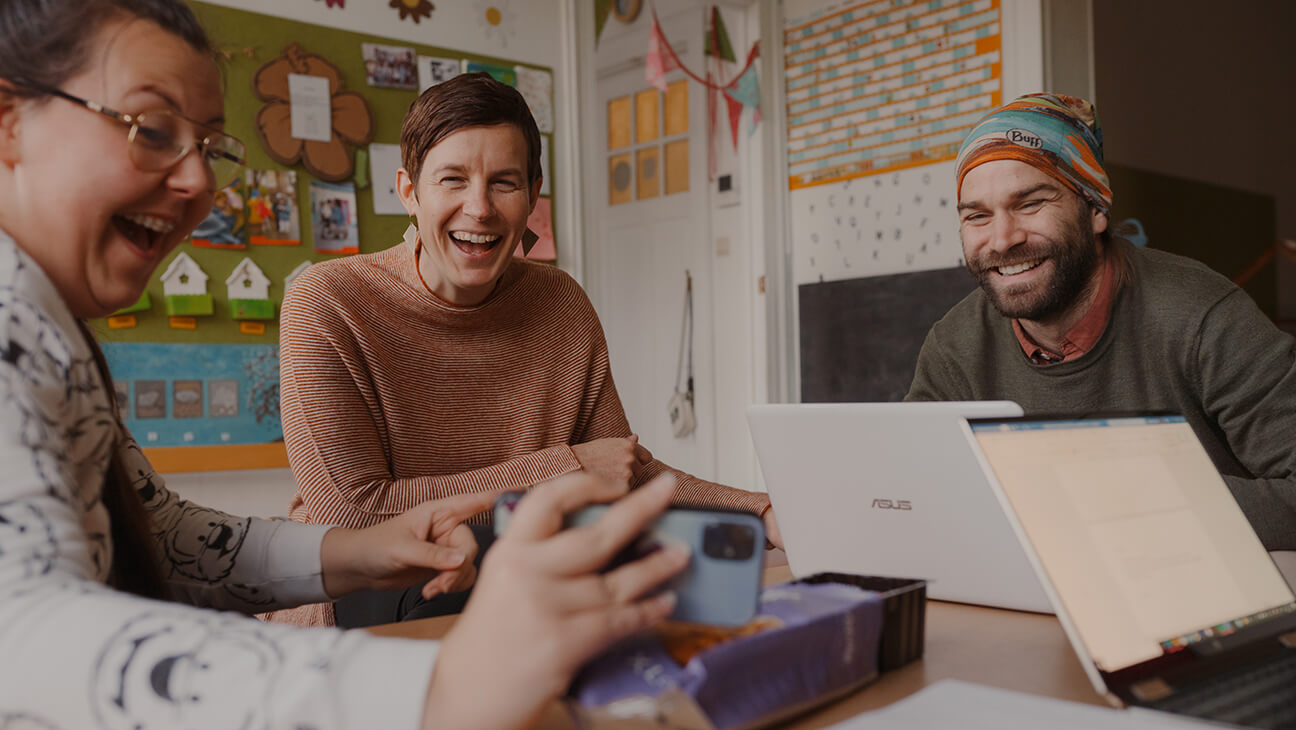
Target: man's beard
1074 257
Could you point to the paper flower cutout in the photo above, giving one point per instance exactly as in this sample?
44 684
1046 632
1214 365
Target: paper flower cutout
352 124
415 10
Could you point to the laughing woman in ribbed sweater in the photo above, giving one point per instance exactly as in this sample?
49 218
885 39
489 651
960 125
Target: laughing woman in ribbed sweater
444 364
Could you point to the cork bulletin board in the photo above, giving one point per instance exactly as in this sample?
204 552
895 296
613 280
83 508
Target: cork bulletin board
196 361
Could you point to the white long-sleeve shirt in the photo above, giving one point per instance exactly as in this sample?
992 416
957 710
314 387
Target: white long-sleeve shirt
75 653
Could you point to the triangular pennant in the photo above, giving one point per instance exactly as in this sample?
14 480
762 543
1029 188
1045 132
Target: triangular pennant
746 88
718 44
735 117
659 60
602 9
756 118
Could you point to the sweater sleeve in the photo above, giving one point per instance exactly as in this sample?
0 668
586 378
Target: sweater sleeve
1247 372
79 654
332 428
213 559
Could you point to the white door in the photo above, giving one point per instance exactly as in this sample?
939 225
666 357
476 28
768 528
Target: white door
654 218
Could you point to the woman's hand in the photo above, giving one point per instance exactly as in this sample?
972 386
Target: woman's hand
615 459
428 542
542 607
772 532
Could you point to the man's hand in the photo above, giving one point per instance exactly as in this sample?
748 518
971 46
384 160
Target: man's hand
617 460
428 542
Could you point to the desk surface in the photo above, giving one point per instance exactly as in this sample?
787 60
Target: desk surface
1009 649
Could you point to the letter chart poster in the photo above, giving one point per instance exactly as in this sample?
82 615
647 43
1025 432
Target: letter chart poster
879 97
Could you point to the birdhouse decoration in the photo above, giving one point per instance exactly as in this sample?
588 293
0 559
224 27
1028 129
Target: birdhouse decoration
249 292
184 285
292 276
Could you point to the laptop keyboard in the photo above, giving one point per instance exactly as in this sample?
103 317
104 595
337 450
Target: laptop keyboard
1263 696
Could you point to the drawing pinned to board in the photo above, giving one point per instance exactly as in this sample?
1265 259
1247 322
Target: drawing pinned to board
384 161
433 70
150 399
537 88
333 218
414 10
502 74
272 216
224 226
223 397
392 67
349 123
248 289
186 399
497 20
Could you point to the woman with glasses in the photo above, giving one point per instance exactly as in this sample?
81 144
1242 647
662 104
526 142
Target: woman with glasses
110 151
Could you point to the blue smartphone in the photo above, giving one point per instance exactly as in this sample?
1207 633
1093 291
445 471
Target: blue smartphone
720 585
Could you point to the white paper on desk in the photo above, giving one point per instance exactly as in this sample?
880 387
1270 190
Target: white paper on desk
384 160
312 114
951 703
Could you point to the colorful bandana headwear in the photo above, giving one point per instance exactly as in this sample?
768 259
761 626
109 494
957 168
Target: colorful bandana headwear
1058 134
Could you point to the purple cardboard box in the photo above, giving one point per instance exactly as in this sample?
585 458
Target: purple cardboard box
824 642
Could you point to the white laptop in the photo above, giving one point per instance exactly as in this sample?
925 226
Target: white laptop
892 489
1164 590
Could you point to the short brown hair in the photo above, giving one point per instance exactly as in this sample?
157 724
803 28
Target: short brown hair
467 100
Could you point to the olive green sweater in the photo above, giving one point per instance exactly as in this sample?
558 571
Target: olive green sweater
1181 338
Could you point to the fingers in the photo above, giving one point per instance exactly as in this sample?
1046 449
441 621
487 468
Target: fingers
641 453
589 548
602 627
541 514
460 507
633 580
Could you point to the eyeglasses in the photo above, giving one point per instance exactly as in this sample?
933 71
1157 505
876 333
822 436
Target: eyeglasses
161 138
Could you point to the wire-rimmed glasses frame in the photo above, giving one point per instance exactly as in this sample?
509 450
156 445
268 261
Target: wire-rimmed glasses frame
161 138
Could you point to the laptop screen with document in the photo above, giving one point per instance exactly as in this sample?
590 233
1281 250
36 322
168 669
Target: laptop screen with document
1138 534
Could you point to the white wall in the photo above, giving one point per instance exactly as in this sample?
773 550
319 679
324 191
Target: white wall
532 31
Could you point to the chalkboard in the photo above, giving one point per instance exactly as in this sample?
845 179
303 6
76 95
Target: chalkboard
860 337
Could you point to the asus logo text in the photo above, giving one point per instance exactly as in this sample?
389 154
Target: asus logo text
892 504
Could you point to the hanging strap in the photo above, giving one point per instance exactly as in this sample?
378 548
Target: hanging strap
686 338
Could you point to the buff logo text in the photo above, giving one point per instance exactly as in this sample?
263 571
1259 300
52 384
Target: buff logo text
1023 138
892 504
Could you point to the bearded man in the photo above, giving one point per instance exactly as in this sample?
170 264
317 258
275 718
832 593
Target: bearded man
1071 320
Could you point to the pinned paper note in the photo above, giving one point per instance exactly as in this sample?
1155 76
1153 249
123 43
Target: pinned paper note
312 115
384 160
432 71
537 88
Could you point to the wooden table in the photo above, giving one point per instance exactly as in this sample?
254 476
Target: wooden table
1010 649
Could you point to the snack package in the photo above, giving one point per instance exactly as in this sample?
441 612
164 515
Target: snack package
809 643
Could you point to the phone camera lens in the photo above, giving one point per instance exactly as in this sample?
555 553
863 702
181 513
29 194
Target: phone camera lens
724 541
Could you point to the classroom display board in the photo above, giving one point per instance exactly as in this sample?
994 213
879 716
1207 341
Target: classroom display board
879 97
320 109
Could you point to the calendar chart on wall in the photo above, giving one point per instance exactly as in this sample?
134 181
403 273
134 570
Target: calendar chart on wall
879 96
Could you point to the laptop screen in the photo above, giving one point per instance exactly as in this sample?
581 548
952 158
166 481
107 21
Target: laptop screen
1138 533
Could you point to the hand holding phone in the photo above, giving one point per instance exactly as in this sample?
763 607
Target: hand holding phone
722 582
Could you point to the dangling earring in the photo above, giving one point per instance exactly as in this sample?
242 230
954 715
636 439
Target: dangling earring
412 235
